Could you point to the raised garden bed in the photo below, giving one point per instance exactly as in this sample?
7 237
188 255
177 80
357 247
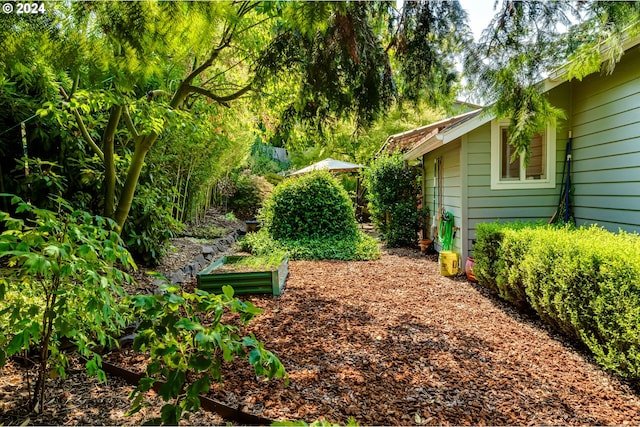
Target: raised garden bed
245 275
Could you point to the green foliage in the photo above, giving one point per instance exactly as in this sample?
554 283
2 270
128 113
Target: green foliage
249 195
312 206
147 235
262 162
426 49
358 247
584 282
58 284
189 344
267 261
492 268
526 40
392 191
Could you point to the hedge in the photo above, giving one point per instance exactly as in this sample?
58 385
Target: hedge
585 282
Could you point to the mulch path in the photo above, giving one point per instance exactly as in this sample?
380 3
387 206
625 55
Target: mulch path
391 342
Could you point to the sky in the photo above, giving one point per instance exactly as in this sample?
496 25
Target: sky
480 13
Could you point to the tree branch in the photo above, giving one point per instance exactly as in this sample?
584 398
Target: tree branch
130 125
83 128
224 100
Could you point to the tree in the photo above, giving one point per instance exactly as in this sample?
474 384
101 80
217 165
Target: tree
118 88
59 288
359 60
527 39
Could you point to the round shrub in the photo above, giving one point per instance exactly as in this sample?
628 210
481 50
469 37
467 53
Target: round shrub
314 205
250 193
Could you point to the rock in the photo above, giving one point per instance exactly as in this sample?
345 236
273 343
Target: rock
157 282
126 340
207 250
201 261
177 277
195 267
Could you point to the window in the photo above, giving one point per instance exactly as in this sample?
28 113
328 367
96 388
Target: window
508 170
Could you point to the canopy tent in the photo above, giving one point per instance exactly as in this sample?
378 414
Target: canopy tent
331 165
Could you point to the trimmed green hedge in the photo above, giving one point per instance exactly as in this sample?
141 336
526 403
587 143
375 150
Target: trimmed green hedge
311 206
585 282
311 218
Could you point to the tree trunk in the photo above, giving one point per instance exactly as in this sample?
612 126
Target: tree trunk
133 174
108 140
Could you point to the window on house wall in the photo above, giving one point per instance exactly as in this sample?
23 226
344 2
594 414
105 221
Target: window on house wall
508 170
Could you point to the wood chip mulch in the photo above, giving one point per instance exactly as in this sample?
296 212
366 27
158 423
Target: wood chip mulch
388 342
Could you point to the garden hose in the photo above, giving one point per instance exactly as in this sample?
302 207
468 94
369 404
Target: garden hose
445 231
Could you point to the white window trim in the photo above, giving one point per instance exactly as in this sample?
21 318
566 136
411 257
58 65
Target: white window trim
497 184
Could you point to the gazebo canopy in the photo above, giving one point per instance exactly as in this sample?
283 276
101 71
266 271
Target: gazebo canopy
331 165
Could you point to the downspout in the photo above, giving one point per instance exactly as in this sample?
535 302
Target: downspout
567 188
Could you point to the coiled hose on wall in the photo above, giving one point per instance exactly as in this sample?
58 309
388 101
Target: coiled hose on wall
445 231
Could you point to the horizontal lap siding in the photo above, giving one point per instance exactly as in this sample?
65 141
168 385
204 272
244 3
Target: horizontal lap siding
487 205
606 147
452 185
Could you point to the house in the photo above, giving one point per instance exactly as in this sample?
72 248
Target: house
466 170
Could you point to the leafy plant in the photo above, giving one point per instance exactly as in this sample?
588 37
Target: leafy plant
583 282
250 193
151 225
311 217
393 199
359 247
188 344
267 261
58 285
312 206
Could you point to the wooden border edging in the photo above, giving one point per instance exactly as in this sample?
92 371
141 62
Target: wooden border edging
210 405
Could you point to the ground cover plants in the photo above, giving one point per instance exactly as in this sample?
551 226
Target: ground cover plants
311 217
251 263
582 281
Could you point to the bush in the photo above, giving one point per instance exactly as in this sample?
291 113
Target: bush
190 344
392 191
59 286
585 282
250 193
312 206
496 256
150 224
359 247
311 218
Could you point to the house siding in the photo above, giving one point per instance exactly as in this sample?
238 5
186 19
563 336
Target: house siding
451 187
487 205
605 119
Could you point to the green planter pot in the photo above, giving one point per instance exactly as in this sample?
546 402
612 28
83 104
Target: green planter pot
257 281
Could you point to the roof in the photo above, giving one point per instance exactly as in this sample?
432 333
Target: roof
331 165
406 141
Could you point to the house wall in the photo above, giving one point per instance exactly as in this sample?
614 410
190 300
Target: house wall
452 202
486 205
605 117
